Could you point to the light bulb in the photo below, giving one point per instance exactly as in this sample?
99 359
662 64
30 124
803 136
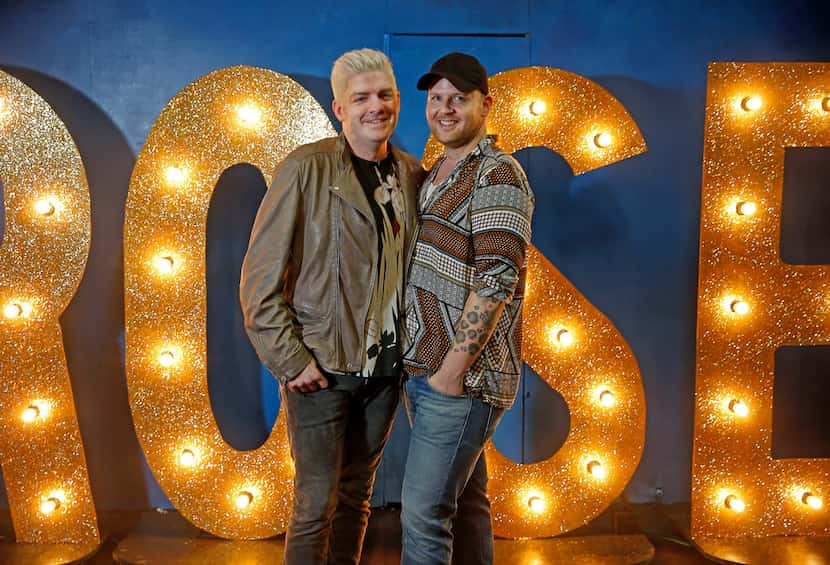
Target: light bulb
164 264
30 414
45 207
538 107
746 208
187 458
13 310
734 503
249 115
603 140
564 337
175 176
738 408
167 358
812 501
596 470
751 103
606 398
536 504
50 505
739 307
244 499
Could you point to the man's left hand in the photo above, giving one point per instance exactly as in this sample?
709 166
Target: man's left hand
447 384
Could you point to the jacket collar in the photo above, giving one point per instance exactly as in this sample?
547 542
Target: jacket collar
350 190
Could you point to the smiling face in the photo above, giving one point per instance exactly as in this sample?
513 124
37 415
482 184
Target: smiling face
456 118
368 110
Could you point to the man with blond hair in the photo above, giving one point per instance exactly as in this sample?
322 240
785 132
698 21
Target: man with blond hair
322 294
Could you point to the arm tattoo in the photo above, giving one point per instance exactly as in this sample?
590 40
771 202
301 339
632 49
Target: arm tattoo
475 326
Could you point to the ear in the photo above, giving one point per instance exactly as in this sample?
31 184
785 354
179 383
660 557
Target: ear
486 104
338 110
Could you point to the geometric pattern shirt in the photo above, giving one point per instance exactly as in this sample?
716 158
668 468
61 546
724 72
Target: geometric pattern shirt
474 229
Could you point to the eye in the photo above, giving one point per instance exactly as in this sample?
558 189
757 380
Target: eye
458 98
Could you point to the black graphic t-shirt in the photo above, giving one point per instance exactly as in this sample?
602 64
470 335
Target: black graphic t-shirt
382 355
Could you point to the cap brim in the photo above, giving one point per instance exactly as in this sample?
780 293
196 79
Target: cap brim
429 79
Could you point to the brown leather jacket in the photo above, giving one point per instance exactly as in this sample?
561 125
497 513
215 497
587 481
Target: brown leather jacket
307 277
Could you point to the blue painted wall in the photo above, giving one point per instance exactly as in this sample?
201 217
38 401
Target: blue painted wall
626 236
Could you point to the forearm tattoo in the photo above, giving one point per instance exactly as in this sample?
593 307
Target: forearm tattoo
475 326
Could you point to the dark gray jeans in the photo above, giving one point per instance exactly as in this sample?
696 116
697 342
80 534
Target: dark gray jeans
337 437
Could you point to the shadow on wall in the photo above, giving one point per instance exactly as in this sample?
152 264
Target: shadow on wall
655 279
94 321
626 237
244 399
320 89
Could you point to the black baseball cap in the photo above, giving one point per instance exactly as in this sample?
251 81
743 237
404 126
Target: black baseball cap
465 72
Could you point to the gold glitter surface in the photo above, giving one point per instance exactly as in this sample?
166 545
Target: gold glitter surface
42 260
585 550
783 550
567 341
230 116
565 112
784 304
560 494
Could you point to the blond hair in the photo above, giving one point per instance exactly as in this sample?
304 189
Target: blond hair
357 62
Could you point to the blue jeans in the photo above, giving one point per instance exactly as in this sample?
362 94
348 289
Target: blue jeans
337 437
446 513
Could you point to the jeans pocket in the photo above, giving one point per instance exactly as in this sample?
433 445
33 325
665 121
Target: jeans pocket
442 394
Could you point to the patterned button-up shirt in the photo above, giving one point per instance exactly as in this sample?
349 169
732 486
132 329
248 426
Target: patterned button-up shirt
474 233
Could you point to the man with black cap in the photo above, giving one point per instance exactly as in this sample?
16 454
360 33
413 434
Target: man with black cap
463 320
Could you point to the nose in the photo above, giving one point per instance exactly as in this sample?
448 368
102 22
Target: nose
444 107
377 105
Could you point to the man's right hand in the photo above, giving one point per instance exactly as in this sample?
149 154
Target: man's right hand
309 380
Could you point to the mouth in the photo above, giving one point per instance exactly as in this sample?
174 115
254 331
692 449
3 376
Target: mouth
446 123
377 121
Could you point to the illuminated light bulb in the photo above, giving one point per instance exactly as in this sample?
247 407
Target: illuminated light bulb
536 504
175 176
13 310
45 207
603 140
825 104
812 501
249 115
739 307
244 499
164 264
30 414
734 503
751 103
596 470
746 208
606 398
50 505
738 408
538 107
167 358
187 458
564 337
